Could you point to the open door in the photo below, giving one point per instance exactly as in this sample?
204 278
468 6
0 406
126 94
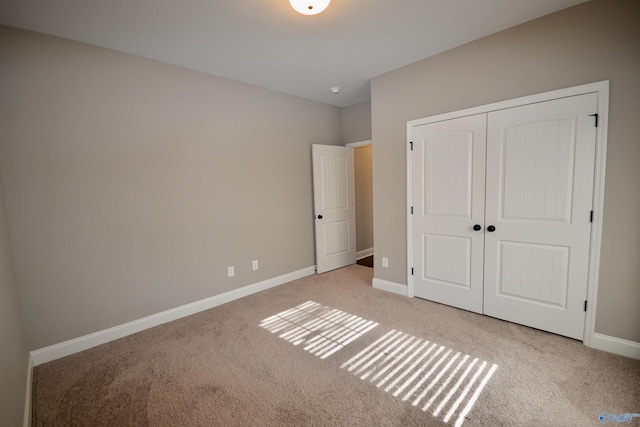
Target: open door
334 206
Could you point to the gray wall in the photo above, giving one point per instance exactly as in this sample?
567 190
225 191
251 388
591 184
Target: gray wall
597 40
364 197
13 346
356 127
131 185
356 122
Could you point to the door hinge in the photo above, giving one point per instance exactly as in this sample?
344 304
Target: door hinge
411 145
411 210
591 217
585 305
596 117
412 271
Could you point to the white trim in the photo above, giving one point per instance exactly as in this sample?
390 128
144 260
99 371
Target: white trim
598 211
364 253
26 419
516 102
615 345
409 190
388 286
590 338
76 345
359 144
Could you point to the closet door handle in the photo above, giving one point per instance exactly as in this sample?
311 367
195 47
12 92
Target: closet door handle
477 227
491 229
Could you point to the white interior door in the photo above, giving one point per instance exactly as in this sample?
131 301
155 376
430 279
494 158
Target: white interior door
540 168
334 206
448 201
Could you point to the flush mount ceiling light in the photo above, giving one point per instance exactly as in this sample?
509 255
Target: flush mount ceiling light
309 7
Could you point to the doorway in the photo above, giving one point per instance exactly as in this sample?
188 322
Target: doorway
362 151
343 205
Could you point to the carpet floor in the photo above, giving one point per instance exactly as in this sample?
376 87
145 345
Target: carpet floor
329 350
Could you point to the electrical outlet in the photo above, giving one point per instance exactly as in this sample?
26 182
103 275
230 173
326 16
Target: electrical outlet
254 264
385 262
231 271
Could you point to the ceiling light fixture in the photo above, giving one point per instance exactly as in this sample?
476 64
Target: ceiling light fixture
309 7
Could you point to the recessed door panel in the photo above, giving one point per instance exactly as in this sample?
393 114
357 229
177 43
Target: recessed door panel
537 181
447 163
446 259
536 273
334 170
336 237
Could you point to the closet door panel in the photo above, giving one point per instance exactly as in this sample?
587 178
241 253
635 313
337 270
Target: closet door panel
448 198
540 165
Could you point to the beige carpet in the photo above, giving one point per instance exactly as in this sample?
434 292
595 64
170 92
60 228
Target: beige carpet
329 350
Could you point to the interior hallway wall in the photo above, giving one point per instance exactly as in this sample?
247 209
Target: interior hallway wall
364 197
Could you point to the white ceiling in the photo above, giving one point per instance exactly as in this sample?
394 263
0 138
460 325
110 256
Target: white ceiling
266 43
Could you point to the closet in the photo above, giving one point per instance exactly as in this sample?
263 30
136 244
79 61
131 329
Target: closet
501 211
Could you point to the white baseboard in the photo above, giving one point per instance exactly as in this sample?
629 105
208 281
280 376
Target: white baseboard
364 253
388 286
615 345
76 345
26 419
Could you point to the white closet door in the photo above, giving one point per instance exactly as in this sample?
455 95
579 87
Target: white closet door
448 200
540 166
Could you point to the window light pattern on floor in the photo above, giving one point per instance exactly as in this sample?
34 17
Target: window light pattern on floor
319 329
435 379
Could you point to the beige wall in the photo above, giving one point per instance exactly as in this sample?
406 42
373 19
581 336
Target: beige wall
13 346
356 122
131 185
364 197
597 40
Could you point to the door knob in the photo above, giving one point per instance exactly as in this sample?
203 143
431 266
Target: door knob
477 227
491 229
319 216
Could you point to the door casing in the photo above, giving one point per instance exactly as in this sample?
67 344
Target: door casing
602 90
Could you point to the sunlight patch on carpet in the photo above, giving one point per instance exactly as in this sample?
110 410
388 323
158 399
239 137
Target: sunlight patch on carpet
430 376
319 329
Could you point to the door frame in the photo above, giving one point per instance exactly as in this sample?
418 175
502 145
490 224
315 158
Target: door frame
602 90
365 143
